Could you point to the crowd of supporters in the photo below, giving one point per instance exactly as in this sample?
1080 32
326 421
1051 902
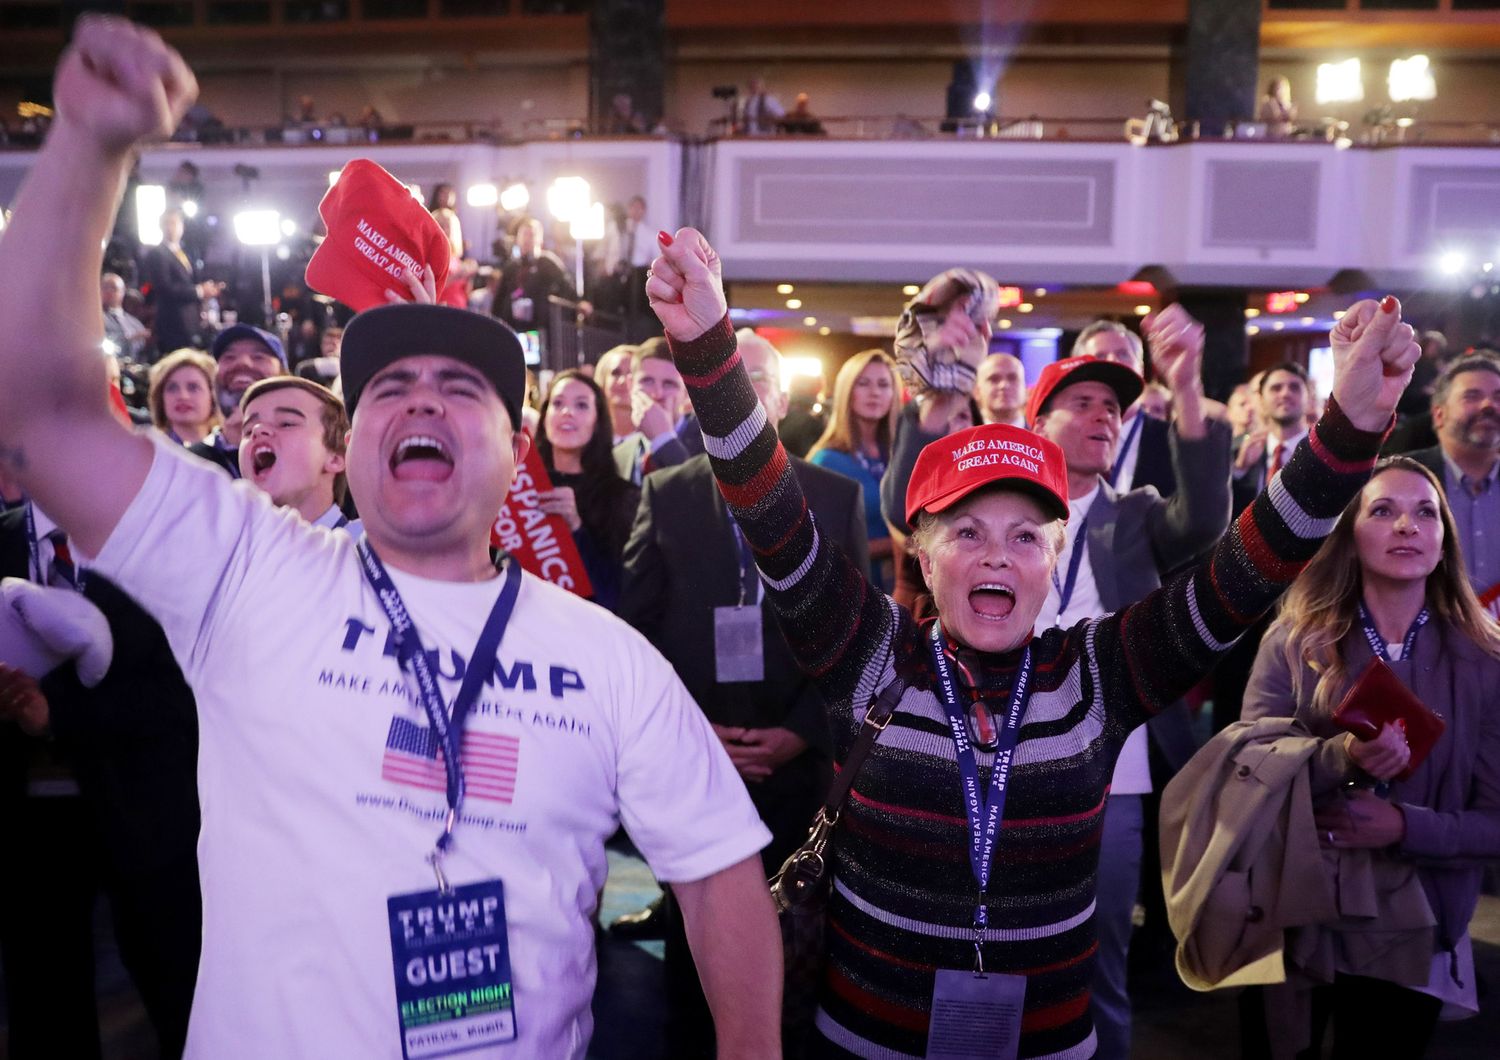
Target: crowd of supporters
1105 601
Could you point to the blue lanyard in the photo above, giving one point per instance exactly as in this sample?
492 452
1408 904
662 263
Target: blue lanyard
984 816
409 653
1135 429
1065 588
1377 642
749 577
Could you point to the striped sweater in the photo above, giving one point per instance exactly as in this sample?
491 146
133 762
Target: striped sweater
904 894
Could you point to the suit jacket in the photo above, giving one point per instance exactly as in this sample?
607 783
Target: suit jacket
1137 539
1153 464
1432 460
682 562
174 293
688 443
132 739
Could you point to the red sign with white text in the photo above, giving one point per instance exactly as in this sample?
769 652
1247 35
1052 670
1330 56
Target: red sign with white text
541 543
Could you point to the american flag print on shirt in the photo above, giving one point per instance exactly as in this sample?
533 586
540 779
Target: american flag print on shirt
413 757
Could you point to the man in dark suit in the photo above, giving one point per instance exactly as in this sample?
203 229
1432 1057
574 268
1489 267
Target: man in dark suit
685 573
176 291
1466 460
1132 541
1144 457
131 741
1283 391
663 436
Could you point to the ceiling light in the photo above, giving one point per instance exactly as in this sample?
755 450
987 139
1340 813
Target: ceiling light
809 321
1340 82
784 288
1251 314
794 303
1025 307
1142 310
910 289
515 197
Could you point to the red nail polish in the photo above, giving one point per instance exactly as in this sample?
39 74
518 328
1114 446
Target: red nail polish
1388 304
664 239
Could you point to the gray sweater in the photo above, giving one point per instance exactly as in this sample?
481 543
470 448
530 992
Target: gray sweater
1452 802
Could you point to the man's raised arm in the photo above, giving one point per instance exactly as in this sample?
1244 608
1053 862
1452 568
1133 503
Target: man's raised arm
118 86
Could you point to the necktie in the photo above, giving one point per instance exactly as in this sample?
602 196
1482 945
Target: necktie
1275 463
629 261
64 573
180 256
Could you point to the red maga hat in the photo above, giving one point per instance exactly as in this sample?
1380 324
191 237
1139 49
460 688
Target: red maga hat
375 230
1064 373
953 467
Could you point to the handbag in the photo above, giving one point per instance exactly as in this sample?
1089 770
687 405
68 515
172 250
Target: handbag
1379 697
801 886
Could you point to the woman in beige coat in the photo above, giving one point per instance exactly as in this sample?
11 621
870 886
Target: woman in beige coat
1390 581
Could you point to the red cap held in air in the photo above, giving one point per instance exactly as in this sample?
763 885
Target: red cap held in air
376 228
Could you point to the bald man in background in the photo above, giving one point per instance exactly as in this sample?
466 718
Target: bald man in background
1000 390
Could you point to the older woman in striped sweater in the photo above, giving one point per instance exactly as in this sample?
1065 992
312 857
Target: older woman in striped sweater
943 862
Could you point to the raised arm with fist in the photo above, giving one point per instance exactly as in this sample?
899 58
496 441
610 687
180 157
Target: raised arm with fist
1373 357
685 285
121 85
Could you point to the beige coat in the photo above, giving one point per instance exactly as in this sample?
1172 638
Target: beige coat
1251 894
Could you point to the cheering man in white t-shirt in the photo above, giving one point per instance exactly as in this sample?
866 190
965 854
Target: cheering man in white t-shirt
408 764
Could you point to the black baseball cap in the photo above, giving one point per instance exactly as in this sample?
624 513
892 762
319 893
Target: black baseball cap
377 338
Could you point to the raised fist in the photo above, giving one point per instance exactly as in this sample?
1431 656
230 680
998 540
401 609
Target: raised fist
1176 341
686 285
121 84
1373 357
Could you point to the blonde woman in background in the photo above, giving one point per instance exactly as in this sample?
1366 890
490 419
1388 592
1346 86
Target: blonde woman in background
857 443
181 396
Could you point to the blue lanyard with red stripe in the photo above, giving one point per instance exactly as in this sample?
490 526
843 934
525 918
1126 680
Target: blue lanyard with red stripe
984 813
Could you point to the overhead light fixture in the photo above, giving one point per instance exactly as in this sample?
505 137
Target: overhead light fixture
150 204
910 289
1309 321
515 197
482 195
1251 314
288 227
1004 323
982 102
1338 314
258 228
1301 297
1411 80
568 197
1340 82
1040 292
1252 330
1025 307
1142 310
825 330
809 321
1278 325
784 288
189 208
794 303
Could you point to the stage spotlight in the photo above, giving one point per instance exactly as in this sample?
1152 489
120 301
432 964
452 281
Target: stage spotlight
483 195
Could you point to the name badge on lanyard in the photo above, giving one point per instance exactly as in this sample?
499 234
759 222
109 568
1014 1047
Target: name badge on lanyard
448 946
453 982
975 1014
739 645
